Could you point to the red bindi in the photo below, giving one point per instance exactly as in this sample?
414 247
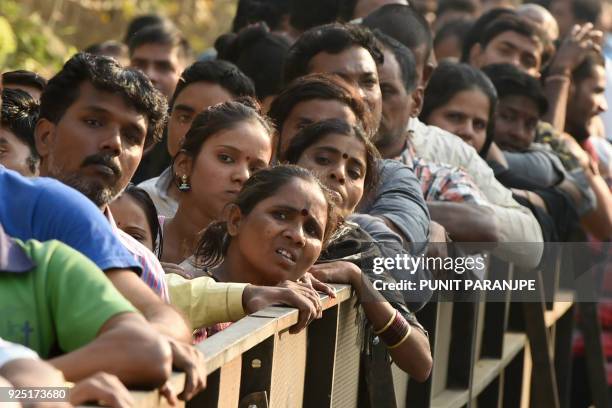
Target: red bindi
304 212
345 156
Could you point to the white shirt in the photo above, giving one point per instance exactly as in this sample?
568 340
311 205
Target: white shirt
520 234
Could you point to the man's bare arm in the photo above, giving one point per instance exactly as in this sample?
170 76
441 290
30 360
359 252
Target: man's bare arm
164 318
126 346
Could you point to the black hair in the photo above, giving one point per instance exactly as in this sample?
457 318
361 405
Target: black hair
142 198
346 9
140 22
163 34
270 12
515 23
586 11
105 74
259 53
223 73
24 78
509 80
312 133
473 36
403 23
319 86
109 48
586 67
404 58
220 117
331 38
19 116
307 14
447 80
215 240
455 28
468 6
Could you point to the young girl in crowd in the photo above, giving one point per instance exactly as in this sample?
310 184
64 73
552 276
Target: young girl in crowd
278 227
135 213
224 146
461 100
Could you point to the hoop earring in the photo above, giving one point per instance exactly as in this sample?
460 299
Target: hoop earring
184 186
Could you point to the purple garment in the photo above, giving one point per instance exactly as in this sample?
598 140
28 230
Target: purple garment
12 257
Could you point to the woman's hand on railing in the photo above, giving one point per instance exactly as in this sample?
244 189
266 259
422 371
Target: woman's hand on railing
300 295
103 388
337 272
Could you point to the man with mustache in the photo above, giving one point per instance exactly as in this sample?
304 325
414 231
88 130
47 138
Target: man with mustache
96 120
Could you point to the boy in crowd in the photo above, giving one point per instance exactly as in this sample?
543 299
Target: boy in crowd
521 104
17 148
162 53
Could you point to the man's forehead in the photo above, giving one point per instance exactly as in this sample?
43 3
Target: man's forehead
352 61
520 41
520 104
156 52
203 93
93 98
322 109
389 70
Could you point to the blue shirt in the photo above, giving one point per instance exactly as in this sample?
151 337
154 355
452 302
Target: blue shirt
45 209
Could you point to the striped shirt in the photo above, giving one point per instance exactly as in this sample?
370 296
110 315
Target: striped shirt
152 271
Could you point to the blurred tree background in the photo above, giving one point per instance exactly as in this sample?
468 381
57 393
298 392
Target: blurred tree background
40 35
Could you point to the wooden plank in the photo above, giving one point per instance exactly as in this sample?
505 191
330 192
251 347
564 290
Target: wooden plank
563 356
451 398
348 352
496 314
564 300
288 370
462 345
253 329
420 394
257 369
487 369
152 399
320 357
441 347
595 359
543 379
512 387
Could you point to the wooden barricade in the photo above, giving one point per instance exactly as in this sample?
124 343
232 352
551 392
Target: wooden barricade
486 354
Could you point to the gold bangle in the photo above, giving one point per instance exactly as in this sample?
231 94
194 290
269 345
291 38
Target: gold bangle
377 332
399 343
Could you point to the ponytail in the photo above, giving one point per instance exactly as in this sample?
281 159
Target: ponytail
212 247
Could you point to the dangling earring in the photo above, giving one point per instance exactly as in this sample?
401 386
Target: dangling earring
184 186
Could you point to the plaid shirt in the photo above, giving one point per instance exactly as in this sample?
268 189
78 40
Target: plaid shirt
442 182
152 271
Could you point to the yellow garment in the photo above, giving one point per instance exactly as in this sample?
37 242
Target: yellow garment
204 301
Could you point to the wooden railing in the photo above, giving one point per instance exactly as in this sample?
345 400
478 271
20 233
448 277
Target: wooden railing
486 354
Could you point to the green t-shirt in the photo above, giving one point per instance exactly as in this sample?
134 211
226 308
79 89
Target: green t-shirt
61 304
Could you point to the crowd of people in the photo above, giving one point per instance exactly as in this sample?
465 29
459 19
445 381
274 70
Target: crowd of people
151 196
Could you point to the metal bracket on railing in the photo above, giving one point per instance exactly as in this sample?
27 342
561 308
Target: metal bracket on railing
254 400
